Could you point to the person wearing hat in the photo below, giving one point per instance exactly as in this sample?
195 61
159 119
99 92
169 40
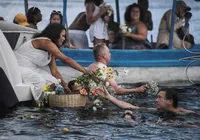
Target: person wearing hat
165 24
21 19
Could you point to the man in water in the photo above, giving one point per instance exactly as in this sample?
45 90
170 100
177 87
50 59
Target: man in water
167 102
102 57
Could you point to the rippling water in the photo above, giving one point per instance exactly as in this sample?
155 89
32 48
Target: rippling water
49 123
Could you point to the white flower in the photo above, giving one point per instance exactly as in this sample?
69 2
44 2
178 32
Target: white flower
94 108
59 81
124 28
129 30
107 84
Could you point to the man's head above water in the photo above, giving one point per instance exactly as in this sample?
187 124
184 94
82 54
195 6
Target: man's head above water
102 53
167 99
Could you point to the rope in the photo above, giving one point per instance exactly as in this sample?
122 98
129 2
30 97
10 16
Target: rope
193 58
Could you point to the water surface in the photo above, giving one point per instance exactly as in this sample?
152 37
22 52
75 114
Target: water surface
27 122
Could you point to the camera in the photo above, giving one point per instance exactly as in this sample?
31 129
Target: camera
188 15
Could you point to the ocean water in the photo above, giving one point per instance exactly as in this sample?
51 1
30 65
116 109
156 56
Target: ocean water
9 8
29 122
32 123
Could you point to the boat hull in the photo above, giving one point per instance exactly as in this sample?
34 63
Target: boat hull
166 76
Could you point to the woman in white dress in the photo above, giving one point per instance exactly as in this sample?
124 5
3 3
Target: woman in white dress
36 58
98 30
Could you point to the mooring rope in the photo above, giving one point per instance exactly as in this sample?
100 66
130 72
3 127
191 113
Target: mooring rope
193 58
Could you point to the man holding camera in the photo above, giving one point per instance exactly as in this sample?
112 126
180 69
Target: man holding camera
165 24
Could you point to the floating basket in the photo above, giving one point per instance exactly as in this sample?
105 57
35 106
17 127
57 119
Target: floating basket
68 100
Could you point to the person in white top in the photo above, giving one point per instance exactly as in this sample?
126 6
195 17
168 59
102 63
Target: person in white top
98 30
36 59
102 57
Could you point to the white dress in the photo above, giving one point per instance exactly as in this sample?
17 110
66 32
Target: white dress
34 67
98 29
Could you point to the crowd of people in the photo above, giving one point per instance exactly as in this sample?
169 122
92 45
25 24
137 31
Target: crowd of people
103 29
37 56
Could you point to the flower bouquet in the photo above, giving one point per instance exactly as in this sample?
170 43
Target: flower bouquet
109 12
92 83
152 88
124 28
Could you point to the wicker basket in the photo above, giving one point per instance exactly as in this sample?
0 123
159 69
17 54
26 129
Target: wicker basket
69 100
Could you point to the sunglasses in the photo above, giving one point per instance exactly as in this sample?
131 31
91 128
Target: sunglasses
56 12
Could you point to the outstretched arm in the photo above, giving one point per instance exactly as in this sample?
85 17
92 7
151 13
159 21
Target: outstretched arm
103 92
56 73
53 49
122 91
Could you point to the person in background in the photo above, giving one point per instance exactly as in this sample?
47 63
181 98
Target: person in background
21 19
77 31
113 30
137 37
34 16
56 17
98 30
183 32
37 60
102 57
165 25
147 19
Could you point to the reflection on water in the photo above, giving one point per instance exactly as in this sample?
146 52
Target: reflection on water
48 123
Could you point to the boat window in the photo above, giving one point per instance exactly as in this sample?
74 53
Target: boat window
12 39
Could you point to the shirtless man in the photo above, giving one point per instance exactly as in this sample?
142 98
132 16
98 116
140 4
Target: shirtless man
102 57
77 31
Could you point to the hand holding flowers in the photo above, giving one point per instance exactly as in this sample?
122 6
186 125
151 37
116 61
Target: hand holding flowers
92 82
106 11
124 28
152 88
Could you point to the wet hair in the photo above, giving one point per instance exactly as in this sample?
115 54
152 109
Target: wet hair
97 49
127 15
170 94
30 14
52 31
56 13
71 83
96 2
